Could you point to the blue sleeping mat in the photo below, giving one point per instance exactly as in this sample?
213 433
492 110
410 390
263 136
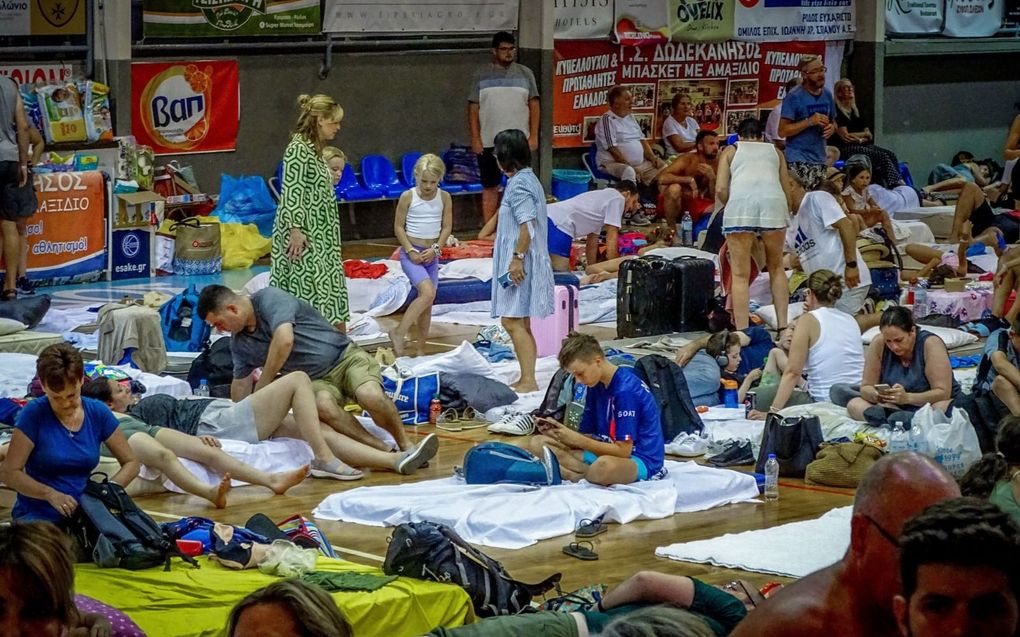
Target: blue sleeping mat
470 290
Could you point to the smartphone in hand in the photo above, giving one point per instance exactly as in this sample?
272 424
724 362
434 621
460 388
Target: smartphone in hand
882 388
504 279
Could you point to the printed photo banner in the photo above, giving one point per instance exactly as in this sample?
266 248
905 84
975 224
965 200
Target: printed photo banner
415 16
42 17
583 19
220 18
639 22
726 81
185 107
67 234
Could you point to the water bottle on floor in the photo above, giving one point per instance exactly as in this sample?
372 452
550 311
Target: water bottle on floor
202 389
771 478
920 309
898 439
687 230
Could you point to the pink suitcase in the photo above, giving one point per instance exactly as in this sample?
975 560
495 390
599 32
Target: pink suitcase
550 331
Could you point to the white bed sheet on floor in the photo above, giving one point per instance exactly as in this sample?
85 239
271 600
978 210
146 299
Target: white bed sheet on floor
596 304
791 550
515 516
17 371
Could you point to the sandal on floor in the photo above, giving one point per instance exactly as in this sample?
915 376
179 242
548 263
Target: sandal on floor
590 528
580 551
471 419
449 420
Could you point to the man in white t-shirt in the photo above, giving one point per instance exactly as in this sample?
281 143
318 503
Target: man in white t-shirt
680 130
503 96
824 238
772 125
585 215
623 151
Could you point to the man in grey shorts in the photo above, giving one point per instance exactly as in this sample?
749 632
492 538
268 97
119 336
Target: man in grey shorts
274 330
14 143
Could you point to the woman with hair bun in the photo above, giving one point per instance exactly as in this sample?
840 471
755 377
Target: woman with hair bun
306 255
996 476
826 347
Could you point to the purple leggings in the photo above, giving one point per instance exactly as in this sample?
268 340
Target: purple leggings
419 272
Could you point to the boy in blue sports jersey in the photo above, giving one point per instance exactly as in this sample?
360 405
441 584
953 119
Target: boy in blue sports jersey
619 440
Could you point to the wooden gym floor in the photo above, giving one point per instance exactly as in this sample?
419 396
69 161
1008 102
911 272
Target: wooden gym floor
623 550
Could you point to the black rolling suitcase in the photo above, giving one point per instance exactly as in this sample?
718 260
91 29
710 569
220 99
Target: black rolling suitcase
694 285
645 294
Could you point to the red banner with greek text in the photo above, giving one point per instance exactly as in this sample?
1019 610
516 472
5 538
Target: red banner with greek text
726 82
185 107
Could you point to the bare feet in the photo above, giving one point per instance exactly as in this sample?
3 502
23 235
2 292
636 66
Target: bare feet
524 388
280 483
397 338
218 494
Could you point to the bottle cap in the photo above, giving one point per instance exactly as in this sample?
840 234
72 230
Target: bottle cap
772 456
203 382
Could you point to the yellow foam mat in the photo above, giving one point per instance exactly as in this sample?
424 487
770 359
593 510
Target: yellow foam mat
190 602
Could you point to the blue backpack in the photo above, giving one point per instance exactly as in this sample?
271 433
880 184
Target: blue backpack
183 331
498 462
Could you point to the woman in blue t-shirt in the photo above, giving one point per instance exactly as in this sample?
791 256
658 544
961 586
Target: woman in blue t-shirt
56 442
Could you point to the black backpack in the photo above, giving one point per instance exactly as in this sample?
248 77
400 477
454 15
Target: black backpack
557 395
430 551
216 365
117 534
669 387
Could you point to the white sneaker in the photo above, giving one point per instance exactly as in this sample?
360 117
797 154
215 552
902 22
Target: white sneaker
514 424
687 446
638 219
416 457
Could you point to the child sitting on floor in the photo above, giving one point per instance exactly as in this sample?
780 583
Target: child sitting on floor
863 210
619 440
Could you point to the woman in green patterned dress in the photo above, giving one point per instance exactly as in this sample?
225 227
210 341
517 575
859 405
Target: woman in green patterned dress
306 255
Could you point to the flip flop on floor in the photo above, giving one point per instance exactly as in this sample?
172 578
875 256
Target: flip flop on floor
580 551
590 528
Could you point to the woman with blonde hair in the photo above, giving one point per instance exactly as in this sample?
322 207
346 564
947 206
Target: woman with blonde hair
422 223
336 159
293 608
306 256
854 137
826 348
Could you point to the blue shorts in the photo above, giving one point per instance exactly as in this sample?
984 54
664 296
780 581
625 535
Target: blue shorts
559 242
642 471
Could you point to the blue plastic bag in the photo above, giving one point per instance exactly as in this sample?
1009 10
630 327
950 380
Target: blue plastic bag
413 396
246 199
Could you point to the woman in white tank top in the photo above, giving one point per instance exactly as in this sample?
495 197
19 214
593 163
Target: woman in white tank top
826 345
422 223
753 185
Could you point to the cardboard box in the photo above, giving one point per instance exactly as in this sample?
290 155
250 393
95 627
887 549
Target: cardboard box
955 285
138 209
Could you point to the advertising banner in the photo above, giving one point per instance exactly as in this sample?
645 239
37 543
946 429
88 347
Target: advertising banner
415 16
583 19
972 18
43 17
67 233
726 82
233 18
784 20
645 21
185 107
30 72
914 17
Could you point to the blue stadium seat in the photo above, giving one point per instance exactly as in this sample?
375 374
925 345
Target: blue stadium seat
732 139
379 174
591 163
905 174
349 189
407 162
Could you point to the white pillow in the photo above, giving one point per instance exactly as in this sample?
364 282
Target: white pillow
952 338
10 326
480 269
768 313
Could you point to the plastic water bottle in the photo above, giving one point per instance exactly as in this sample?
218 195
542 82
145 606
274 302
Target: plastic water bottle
687 229
916 440
730 393
920 309
771 478
898 440
203 388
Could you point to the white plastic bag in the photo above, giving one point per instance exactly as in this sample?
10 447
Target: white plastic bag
953 442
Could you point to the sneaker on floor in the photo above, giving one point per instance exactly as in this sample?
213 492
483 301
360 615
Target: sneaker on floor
552 467
638 219
513 424
335 469
738 453
687 446
418 456
25 286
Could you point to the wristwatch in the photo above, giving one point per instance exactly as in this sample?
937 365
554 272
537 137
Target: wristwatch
435 248
851 264
519 255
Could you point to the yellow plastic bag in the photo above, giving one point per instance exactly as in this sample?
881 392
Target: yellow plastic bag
242 245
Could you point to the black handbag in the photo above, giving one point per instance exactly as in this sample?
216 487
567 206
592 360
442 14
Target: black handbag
795 440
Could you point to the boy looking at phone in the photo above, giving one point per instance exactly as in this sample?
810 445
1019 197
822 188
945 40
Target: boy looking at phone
619 439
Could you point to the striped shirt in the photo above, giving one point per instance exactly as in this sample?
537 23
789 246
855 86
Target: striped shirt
523 202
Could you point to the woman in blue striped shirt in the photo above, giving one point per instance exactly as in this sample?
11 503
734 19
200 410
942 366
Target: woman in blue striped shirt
522 277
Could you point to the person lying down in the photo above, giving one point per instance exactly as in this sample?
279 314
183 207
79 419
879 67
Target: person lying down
620 439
